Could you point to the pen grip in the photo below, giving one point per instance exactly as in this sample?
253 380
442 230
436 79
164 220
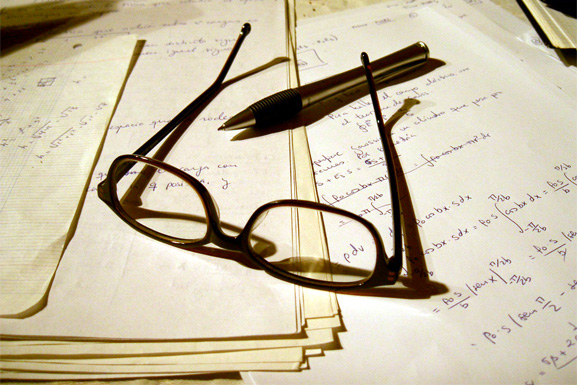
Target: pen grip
277 107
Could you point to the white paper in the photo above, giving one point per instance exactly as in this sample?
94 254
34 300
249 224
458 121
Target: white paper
487 148
491 20
318 311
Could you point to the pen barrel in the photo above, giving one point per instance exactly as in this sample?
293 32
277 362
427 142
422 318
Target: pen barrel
384 68
277 107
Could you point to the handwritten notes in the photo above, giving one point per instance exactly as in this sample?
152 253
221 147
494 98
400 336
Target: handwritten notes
181 55
57 99
139 298
488 183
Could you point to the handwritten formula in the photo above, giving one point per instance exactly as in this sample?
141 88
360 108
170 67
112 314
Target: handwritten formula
488 191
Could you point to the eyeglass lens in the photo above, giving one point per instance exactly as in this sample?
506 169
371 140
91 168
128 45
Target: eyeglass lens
161 202
350 255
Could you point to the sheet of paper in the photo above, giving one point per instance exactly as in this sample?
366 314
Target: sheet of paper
494 24
26 359
320 308
151 290
487 148
57 100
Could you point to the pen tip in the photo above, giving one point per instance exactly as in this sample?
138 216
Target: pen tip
244 119
224 127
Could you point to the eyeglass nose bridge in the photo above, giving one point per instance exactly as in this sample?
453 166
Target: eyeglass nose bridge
216 234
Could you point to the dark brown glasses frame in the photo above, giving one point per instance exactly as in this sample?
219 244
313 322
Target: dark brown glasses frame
386 270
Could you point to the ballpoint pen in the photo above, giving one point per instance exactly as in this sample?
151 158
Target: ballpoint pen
287 103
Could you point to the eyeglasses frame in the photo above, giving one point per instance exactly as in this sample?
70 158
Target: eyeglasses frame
386 270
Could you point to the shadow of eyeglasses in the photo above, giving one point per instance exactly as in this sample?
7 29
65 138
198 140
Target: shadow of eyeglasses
417 284
266 248
413 288
317 265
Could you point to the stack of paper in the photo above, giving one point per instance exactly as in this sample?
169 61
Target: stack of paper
121 304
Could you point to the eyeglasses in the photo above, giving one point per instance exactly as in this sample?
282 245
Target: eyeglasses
183 214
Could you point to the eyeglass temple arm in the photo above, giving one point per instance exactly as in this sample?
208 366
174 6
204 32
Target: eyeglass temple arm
196 103
170 126
395 262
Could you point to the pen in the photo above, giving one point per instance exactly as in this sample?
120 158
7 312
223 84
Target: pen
287 103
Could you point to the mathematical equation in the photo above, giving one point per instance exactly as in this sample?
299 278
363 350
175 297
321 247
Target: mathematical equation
509 209
42 136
